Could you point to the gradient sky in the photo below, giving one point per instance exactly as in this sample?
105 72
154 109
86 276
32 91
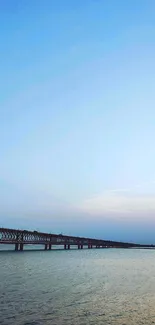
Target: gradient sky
77 117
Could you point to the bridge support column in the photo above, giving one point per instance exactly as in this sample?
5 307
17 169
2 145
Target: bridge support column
65 246
16 247
50 247
68 246
91 246
81 246
45 247
78 246
21 247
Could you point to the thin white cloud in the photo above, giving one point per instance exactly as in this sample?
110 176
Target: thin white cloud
121 190
120 201
142 186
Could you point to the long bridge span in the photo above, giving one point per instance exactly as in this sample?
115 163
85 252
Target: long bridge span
21 238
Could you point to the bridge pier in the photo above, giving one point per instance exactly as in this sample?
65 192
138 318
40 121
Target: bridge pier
65 246
21 247
16 247
81 246
78 246
68 246
50 247
45 247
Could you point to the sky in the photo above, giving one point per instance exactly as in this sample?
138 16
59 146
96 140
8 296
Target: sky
77 117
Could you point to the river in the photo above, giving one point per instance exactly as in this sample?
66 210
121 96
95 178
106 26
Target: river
77 287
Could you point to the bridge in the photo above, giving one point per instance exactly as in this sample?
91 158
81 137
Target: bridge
21 238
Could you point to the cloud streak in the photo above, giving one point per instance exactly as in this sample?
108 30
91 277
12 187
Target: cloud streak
131 202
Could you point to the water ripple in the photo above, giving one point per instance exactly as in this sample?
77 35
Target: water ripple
113 287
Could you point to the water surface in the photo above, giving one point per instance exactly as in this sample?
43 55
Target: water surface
99 286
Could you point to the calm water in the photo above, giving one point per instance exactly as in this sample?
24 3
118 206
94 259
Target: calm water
77 287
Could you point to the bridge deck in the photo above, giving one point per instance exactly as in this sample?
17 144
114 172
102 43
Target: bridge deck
19 238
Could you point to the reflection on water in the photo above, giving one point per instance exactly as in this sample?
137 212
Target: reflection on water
77 287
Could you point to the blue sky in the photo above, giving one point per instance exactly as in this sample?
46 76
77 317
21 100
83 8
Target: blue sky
77 117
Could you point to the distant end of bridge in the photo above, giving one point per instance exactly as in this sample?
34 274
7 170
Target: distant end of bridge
21 238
